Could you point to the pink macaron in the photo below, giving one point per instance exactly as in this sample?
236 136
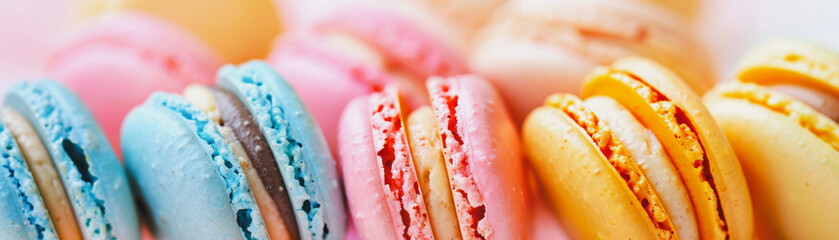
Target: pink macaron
116 62
451 170
359 50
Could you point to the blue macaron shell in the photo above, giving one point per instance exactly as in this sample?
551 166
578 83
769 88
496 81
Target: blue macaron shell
304 160
91 174
192 184
23 215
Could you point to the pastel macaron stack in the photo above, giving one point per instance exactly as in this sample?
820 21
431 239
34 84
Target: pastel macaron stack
449 170
241 160
359 50
638 157
532 48
780 114
60 179
114 63
237 30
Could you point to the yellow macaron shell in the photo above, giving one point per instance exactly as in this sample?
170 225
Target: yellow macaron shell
239 30
427 153
647 152
793 172
781 62
46 176
594 184
708 165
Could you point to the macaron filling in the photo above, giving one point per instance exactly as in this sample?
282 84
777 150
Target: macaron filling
17 177
235 124
234 115
248 216
44 173
64 140
682 129
617 155
820 125
471 211
399 178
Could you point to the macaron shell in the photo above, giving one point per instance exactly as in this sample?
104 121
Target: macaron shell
730 185
44 173
323 78
114 68
298 146
90 171
491 147
585 190
365 196
781 62
431 173
24 214
646 151
793 176
194 196
399 39
238 30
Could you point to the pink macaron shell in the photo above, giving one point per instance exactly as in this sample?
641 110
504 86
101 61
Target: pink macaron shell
323 78
400 40
369 210
113 65
490 147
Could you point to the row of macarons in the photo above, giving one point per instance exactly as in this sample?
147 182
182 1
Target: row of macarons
361 46
637 154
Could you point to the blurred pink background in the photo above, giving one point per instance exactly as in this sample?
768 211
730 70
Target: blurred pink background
30 29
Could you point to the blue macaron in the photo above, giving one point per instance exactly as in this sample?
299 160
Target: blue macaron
95 183
190 162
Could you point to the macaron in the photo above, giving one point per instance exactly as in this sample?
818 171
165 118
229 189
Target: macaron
450 170
358 50
533 48
241 160
780 115
237 30
114 67
637 157
60 178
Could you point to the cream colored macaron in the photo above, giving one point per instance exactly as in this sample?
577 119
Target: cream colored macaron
780 116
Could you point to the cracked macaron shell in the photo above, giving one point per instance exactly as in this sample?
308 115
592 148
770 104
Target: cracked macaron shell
23 212
489 145
298 145
683 122
205 190
90 171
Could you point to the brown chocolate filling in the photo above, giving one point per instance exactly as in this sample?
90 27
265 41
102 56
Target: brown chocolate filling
236 116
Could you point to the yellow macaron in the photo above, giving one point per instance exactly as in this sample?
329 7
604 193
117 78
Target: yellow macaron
639 158
780 116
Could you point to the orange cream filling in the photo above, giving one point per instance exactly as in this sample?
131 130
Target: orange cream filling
685 133
798 112
620 160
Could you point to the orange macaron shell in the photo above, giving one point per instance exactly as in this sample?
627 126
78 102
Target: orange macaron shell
700 151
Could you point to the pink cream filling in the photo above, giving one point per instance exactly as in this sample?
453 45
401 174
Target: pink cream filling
471 211
398 176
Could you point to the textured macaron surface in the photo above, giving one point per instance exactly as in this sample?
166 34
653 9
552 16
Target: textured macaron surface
204 189
89 169
299 147
23 212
